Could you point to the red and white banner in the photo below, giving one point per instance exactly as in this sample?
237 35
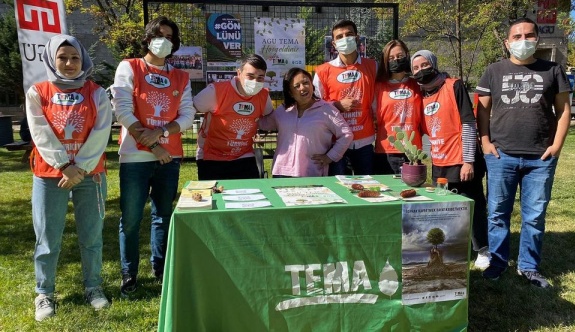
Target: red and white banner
37 21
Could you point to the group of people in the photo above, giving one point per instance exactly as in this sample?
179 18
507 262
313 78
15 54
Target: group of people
326 123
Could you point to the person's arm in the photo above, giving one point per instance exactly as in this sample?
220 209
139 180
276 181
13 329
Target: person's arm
468 130
344 105
268 122
343 134
563 113
205 101
91 151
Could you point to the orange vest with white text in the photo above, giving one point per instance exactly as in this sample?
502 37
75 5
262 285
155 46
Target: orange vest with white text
157 96
355 81
443 125
233 124
398 105
71 114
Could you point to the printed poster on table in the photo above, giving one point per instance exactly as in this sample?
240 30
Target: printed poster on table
434 251
281 42
224 39
308 195
188 59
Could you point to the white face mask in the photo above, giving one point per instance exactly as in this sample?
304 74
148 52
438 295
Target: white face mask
252 87
523 49
346 45
160 47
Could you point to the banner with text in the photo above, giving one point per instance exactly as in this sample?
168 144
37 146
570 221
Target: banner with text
281 42
224 39
36 22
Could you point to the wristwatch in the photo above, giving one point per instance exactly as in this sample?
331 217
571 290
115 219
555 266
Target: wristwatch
165 131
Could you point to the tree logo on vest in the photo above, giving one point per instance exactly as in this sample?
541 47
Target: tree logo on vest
316 284
399 94
349 76
244 108
68 122
159 102
67 99
432 108
158 81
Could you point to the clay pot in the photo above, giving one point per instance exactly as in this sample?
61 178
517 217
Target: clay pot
413 175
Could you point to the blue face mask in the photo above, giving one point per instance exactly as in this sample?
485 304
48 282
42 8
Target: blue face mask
346 45
523 49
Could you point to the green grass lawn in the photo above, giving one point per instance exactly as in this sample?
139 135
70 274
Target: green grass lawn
507 305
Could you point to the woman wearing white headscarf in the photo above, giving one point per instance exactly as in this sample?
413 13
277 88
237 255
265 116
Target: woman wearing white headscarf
69 120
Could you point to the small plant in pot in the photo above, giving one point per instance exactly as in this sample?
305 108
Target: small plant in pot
413 173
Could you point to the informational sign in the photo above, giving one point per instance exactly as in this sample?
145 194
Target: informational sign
224 39
189 59
434 252
37 21
281 42
216 76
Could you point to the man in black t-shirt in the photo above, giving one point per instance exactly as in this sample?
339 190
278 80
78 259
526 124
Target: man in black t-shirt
523 118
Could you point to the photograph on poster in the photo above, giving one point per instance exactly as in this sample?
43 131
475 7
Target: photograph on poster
331 53
434 252
217 76
188 59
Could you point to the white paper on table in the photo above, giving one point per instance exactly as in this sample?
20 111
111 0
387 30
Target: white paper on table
380 199
241 191
418 198
243 198
248 205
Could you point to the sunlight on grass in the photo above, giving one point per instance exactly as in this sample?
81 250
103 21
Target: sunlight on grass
507 305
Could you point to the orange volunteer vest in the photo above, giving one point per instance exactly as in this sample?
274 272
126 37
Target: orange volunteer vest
356 81
443 125
233 124
398 105
71 115
157 96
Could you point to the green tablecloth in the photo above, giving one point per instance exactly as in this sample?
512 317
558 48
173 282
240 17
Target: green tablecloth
305 268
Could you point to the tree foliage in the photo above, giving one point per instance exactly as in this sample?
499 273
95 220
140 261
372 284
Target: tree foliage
10 62
436 236
119 23
466 35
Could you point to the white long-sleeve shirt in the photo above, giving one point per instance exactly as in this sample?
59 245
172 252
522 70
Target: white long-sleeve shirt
50 147
123 105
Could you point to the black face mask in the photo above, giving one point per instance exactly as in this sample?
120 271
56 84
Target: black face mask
400 65
425 76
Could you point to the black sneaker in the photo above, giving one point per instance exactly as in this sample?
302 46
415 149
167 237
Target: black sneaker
493 272
535 278
159 275
129 284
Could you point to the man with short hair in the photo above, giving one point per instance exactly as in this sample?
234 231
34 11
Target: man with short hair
523 118
232 108
348 81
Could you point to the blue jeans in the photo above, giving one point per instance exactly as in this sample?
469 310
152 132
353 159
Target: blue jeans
535 179
138 181
49 208
361 161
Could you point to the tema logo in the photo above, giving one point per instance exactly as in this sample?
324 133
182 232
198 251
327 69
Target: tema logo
349 76
400 94
67 99
38 15
431 109
158 81
316 284
244 108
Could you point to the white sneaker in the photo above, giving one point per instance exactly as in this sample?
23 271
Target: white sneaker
483 258
95 296
45 305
